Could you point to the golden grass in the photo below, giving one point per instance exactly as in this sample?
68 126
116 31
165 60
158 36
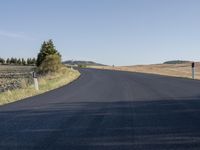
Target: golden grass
176 70
46 83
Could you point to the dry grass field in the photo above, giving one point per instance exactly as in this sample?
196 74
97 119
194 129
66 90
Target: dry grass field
177 70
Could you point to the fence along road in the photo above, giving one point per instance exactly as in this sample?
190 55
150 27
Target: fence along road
108 110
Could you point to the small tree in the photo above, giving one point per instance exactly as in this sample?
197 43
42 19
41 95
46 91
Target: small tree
7 61
15 61
28 61
19 62
23 62
2 61
12 60
47 49
33 61
52 63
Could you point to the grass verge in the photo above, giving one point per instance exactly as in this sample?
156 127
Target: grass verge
46 83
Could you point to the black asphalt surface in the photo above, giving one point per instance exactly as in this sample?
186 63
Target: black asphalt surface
107 110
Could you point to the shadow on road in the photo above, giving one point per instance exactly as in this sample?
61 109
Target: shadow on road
161 124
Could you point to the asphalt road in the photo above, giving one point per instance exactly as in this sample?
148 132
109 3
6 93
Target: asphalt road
107 110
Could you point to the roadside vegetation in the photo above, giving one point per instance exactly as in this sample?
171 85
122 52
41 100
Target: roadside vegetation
16 82
48 82
82 66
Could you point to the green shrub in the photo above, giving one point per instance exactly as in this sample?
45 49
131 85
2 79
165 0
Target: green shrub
82 66
52 63
47 49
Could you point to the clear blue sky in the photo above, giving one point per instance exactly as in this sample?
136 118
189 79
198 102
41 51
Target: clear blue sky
120 32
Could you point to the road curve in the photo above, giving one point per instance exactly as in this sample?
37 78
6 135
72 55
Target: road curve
107 110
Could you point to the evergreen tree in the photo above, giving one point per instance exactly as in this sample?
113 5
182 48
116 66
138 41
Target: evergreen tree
12 60
8 61
47 49
23 62
2 61
28 61
19 62
33 61
15 61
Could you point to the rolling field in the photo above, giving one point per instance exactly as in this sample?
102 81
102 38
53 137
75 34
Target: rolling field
176 70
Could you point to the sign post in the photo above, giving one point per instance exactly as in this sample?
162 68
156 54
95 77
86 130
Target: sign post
193 70
35 81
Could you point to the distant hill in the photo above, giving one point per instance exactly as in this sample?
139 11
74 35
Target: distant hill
84 63
177 62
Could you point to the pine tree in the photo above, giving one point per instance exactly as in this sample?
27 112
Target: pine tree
8 61
47 49
12 60
33 61
28 60
2 61
19 62
23 62
15 61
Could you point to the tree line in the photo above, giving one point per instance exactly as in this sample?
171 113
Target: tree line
18 61
48 59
